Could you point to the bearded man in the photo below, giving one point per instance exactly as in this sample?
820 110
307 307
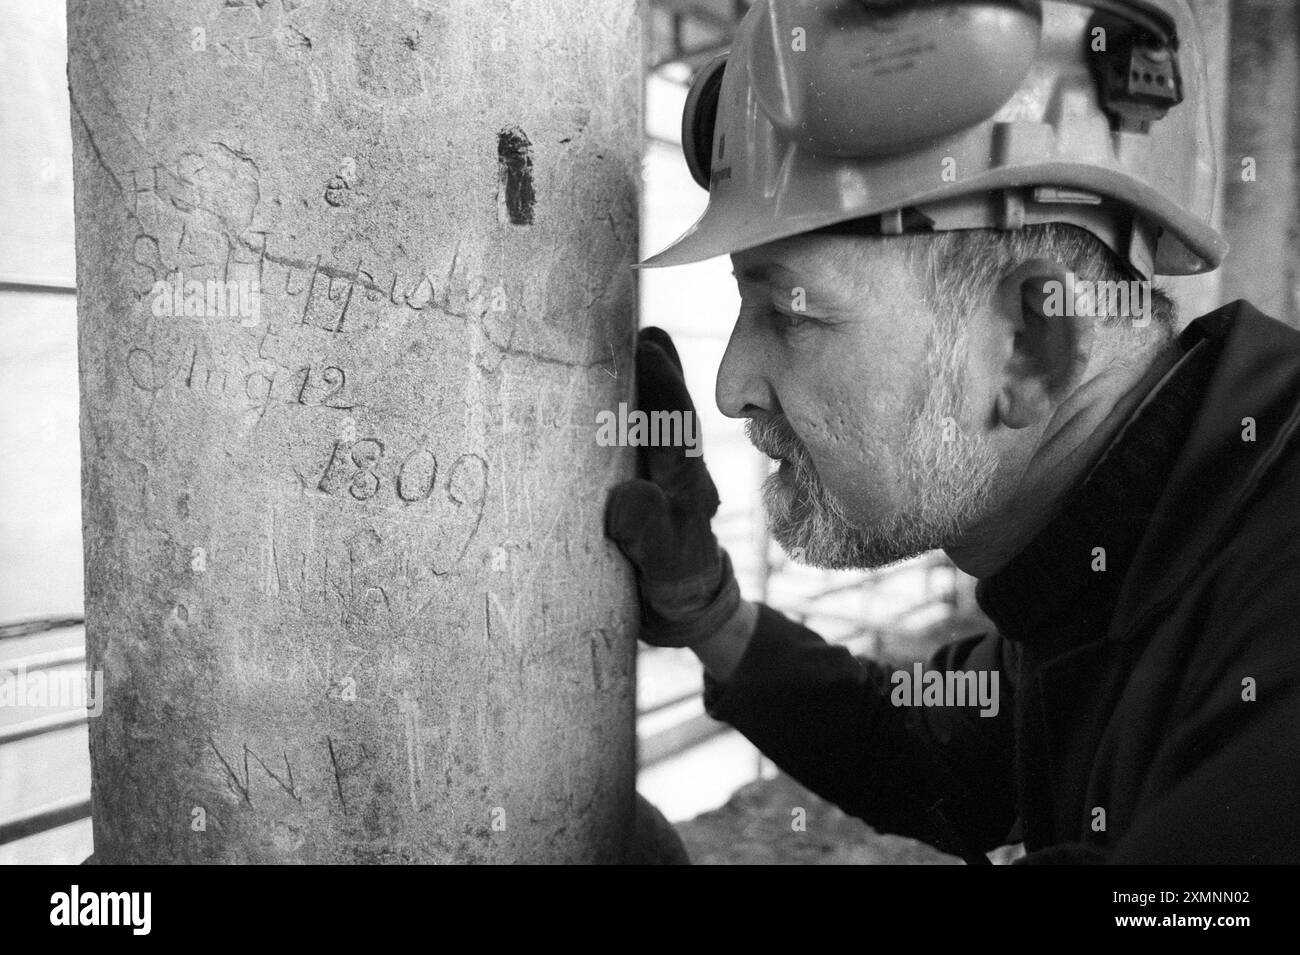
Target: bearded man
1122 486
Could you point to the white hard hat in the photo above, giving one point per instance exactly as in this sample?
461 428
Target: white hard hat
910 115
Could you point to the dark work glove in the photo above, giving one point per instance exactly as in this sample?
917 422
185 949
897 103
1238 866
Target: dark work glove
660 520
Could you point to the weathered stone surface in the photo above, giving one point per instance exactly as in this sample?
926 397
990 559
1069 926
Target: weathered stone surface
1261 173
345 571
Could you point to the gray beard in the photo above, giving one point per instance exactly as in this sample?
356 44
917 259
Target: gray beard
948 483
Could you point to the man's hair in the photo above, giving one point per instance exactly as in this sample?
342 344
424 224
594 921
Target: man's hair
960 270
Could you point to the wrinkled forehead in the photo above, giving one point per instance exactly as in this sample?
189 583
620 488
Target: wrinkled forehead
834 261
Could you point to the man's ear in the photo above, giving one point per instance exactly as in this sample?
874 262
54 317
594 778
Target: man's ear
1049 344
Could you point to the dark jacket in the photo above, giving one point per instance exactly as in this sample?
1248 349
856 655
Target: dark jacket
1164 691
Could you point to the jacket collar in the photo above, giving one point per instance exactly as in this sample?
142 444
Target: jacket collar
1053 593
1256 379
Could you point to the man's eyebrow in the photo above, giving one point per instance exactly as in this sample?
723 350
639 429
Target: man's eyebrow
757 273
772 275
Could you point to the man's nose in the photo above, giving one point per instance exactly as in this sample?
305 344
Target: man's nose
743 390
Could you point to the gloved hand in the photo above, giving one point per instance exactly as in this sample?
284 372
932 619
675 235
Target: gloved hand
660 520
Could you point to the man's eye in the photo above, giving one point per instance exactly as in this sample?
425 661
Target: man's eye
788 321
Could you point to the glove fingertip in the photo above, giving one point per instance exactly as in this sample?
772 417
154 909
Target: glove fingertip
654 335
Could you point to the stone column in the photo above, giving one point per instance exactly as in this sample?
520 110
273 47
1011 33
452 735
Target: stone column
353 282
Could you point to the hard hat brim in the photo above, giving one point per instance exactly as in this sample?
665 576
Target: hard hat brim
1190 246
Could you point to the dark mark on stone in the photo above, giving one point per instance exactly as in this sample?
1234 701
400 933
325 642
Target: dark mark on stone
515 174
336 191
295 40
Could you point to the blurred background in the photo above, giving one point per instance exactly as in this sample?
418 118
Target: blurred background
689 764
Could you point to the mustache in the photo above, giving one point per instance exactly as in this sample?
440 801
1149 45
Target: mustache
774 437
802 503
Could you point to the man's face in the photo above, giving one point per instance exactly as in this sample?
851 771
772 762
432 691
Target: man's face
848 379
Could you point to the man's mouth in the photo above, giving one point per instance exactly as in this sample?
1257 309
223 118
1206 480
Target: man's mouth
785 461
784 470
776 444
